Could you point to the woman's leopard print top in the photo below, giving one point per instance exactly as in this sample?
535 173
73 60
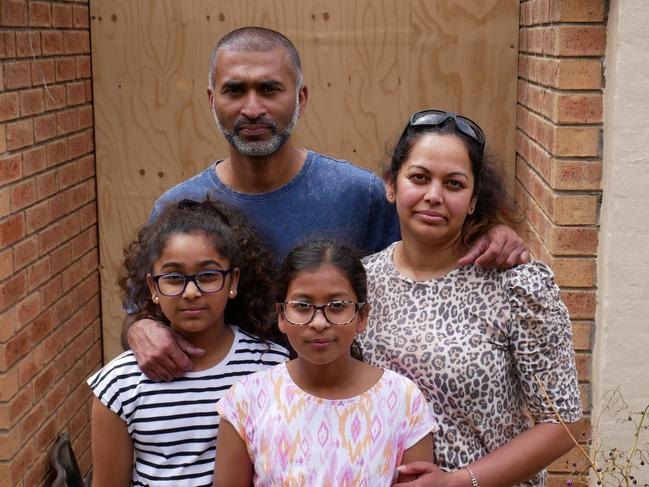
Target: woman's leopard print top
475 341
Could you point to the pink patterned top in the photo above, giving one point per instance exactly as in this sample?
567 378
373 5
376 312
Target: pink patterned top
296 439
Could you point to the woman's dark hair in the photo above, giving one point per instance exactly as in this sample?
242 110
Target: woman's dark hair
310 256
251 309
493 205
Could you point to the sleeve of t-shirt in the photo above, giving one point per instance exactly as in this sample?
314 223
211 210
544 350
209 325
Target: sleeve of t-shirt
419 416
234 408
110 384
383 223
541 341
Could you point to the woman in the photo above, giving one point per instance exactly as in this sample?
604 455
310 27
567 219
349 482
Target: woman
485 346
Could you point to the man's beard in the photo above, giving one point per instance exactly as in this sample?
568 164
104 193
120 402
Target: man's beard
259 148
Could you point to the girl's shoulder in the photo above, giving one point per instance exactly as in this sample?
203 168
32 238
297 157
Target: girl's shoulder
123 367
247 342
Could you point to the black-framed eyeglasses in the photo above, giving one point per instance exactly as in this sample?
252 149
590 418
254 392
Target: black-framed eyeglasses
301 313
435 118
174 283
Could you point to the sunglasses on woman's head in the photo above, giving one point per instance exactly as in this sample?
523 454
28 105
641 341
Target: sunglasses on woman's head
437 118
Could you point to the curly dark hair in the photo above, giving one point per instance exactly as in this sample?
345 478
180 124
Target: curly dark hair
493 205
310 256
252 308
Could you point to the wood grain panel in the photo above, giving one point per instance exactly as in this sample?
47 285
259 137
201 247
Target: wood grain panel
368 64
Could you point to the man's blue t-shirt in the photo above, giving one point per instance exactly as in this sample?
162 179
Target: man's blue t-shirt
328 198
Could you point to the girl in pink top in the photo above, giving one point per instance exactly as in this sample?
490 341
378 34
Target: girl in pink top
324 418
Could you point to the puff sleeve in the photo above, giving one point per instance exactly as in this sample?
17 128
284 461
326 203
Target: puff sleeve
541 342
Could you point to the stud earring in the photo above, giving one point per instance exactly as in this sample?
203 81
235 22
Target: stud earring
231 292
155 299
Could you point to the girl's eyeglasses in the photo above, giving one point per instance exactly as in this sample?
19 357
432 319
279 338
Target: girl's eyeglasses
300 313
174 283
436 118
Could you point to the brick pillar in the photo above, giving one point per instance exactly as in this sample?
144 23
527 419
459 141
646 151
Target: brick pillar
49 285
558 161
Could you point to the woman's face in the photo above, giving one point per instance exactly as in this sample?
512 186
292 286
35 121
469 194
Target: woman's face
433 191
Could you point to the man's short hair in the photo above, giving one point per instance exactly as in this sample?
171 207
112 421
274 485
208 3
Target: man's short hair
257 39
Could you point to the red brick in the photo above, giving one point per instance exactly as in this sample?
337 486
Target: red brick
12 290
6 263
579 74
66 69
55 396
66 121
577 108
38 216
20 134
7 46
46 184
34 160
55 97
84 68
28 44
38 273
60 205
17 75
21 463
57 152
68 174
572 240
23 194
50 292
577 174
12 229
89 90
69 278
52 42
75 93
5 201
49 238
39 14
84 241
28 367
61 15
84 115
80 16
70 226
44 439
41 326
78 195
79 144
25 252
578 11
76 42
11 168
43 72
9 106
3 130
40 467
580 303
86 167
60 258
88 215
27 310
44 127
13 13
576 141
31 102
577 40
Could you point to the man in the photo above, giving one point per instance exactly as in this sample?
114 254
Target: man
257 94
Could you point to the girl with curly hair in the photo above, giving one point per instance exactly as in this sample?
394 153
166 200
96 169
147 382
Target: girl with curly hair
198 269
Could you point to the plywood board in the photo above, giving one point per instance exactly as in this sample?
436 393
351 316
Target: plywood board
368 64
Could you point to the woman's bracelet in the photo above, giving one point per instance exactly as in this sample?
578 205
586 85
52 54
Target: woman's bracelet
474 481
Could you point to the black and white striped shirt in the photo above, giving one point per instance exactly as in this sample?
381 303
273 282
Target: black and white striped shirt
174 424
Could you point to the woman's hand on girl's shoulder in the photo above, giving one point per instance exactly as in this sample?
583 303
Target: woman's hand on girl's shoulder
429 475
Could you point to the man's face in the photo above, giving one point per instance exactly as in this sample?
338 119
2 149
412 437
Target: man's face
255 101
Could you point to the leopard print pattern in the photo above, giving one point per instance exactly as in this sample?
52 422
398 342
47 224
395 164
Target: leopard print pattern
475 341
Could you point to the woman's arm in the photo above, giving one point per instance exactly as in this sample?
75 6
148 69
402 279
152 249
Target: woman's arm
112 448
420 451
232 467
516 461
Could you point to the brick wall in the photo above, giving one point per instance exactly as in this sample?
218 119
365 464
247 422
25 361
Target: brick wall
558 162
49 288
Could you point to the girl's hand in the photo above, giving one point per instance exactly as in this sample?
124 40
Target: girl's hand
160 353
430 475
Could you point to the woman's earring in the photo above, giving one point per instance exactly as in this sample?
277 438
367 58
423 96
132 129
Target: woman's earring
155 299
231 292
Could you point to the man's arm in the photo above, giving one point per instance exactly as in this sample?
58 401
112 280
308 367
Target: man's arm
501 247
161 353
